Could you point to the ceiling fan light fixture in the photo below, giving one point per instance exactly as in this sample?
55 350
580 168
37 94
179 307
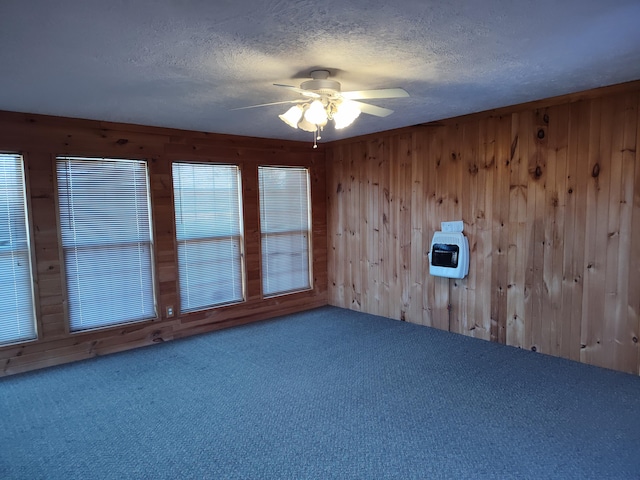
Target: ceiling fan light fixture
292 116
345 114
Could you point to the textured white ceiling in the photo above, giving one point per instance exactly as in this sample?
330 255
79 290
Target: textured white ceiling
188 63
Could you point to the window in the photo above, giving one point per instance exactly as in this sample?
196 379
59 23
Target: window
105 225
17 315
208 234
284 228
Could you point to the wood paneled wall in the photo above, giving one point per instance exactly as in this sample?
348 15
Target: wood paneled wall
549 194
40 139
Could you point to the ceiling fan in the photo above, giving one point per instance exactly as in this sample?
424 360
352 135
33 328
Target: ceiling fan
323 101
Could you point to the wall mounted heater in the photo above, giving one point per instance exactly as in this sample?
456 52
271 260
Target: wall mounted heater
449 254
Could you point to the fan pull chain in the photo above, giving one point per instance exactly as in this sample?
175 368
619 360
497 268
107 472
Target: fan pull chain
316 135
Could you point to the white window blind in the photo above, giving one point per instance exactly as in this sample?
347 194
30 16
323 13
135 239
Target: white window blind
209 234
105 225
17 317
284 228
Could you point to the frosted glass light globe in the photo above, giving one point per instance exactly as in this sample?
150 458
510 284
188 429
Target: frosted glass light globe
316 113
292 116
347 112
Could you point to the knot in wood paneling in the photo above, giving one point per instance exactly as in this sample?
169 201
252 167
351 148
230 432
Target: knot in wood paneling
536 172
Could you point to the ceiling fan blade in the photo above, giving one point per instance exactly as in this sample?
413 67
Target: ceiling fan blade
373 110
267 104
306 93
380 93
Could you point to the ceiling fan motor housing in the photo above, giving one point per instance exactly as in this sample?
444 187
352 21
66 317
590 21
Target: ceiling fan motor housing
323 87
321 83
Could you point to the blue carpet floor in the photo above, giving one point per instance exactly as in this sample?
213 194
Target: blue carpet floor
323 394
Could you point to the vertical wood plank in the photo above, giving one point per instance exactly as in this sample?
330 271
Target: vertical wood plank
613 157
576 238
517 292
537 321
634 259
469 157
405 153
549 213
623 327
362 229
418 245
558 122
385 247
366 213
500 231
393 258
350 217
596 237
483 322
337 250
375 272
356 257
570 276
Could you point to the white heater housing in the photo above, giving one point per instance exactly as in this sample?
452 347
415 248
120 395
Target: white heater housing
449 253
